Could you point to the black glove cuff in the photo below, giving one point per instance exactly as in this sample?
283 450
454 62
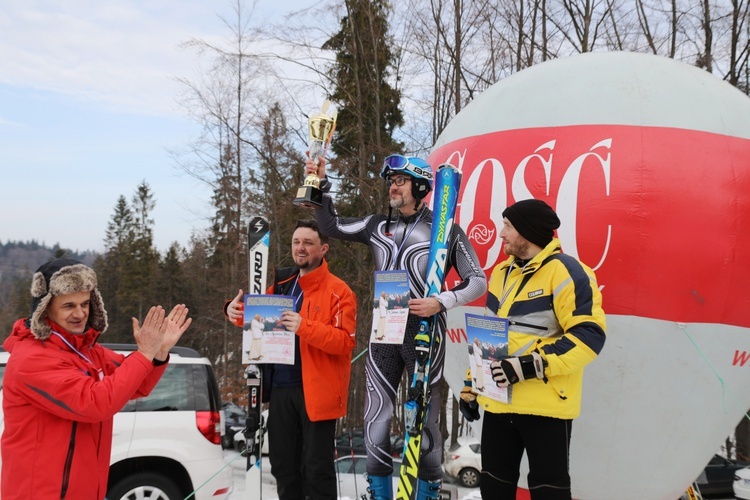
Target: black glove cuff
530 367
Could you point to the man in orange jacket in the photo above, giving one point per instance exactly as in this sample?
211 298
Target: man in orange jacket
306 398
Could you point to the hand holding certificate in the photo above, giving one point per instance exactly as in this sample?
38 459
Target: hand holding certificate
266 339
488 342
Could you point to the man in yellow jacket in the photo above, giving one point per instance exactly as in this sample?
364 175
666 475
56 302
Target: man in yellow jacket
556 327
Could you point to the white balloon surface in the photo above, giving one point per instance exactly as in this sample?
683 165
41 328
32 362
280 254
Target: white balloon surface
647 162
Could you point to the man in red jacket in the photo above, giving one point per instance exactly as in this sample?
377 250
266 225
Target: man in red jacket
306 398
61 389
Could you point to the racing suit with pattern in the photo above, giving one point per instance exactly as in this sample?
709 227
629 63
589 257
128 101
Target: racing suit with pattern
404 247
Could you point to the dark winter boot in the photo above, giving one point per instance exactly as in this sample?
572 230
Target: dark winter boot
381 487
428 490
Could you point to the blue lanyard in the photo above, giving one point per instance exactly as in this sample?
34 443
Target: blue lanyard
298 297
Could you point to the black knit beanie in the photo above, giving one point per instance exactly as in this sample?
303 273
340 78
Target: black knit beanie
534 220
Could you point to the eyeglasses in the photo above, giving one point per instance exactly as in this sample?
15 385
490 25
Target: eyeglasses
398 181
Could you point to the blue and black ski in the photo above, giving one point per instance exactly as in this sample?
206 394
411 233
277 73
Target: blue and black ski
445 197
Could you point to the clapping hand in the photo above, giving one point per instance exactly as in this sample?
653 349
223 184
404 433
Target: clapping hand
160 332
150 336
176 324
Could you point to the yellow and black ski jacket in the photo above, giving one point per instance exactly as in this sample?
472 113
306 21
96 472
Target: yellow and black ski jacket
554 306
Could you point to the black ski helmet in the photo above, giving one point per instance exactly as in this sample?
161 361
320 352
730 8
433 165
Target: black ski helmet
417 168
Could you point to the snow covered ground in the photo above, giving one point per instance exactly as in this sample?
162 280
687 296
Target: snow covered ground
237 465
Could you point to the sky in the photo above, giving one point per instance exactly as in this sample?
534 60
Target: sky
89 109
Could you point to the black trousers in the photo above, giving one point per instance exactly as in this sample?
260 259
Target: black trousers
546 440
301 451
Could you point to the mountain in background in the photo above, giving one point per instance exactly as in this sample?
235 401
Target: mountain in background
19 259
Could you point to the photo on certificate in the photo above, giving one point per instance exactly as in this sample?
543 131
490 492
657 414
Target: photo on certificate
264 338
488 342
390 309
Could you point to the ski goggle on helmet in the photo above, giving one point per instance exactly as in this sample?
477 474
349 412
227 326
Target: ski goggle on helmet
417 168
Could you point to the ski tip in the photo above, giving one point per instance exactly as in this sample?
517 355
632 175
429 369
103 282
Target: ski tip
448 166
257 225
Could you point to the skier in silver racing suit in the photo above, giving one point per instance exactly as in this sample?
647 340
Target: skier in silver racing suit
403 243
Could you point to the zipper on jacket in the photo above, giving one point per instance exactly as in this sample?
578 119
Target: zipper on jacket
528 325
68 462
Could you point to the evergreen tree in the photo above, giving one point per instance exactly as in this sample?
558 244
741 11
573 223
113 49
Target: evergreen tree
136 292
171 286
111 267
274 182
369 109
128 269
368 114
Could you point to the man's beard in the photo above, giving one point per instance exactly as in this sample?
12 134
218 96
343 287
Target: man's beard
518 250
399 202
309 263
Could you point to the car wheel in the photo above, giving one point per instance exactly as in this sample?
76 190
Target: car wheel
145 485
241 447
469 477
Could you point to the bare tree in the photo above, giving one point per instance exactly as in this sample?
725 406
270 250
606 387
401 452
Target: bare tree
739 43
705 59
223 99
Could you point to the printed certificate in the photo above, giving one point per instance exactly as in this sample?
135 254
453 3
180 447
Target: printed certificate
488 342
390 308
264 339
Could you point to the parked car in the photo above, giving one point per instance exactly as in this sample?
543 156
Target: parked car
355 440
741 484
234 417
717 478
168 444
352 476
464 462
351 473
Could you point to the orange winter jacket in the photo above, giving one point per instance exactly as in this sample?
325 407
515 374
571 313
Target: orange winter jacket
326 339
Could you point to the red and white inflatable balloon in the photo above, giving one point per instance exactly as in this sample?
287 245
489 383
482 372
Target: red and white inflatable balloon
647 162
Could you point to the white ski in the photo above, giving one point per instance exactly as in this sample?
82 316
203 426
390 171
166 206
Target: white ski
258 236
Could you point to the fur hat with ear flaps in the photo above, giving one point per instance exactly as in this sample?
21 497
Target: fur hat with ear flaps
60 277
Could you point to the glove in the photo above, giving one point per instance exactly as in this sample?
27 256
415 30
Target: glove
515 369
469 410
467 402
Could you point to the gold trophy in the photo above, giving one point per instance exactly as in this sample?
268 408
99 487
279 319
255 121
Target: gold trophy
320 128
